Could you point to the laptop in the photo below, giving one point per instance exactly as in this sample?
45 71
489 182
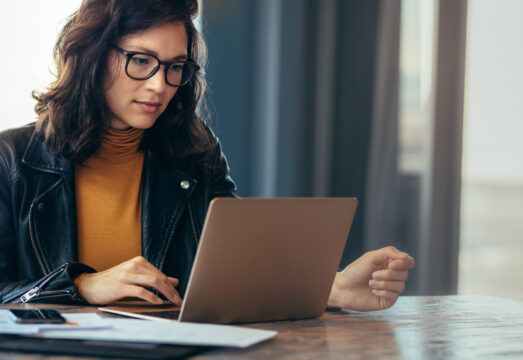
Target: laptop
260 259
267 259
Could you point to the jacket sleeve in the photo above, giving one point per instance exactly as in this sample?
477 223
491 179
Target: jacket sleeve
55 287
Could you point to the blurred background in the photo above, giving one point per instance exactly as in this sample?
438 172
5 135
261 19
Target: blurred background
412 106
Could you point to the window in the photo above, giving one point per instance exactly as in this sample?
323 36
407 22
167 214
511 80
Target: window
492 190
415 84
29 30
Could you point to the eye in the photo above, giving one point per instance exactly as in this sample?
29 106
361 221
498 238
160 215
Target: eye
176 67
141 60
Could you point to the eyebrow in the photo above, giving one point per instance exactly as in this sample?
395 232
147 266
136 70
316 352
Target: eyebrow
144 49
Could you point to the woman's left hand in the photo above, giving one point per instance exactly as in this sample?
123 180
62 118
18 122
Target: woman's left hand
373 281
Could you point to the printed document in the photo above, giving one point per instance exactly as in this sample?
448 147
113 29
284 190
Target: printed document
174 333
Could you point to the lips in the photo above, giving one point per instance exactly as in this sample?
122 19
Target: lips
148 107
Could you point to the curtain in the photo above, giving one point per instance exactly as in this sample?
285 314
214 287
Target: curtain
419 211
304 97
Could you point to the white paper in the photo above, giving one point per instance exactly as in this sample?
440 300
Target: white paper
75 322
19 330
175 333
137 316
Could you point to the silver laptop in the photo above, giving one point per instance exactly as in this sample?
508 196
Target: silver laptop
266 259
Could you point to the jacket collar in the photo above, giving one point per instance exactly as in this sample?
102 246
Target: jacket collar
38 156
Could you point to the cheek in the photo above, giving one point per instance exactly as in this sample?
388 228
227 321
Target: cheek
118 90
116 83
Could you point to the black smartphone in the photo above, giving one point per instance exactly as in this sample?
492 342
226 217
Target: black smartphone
36 316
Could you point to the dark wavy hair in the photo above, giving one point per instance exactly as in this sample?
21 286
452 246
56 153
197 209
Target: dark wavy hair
73 115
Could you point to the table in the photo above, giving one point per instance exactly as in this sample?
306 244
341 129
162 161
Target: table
446 327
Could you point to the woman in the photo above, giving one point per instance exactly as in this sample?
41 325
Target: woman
105 196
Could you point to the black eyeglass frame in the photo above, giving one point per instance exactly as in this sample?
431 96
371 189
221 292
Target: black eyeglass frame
130 54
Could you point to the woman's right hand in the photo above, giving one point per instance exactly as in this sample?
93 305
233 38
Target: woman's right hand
128 279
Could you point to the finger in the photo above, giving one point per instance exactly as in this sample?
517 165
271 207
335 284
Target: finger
387 298
170 281
385 254
140 265
141 293
152 277
396 286
162 284
397 254
173 281
388 274
386 293
400 264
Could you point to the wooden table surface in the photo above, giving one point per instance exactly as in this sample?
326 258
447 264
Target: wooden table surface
444 327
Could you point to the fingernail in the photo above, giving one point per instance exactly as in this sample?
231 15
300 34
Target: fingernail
372 283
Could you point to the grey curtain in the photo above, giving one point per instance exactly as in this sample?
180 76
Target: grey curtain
382 187
419 211
441 186
305 102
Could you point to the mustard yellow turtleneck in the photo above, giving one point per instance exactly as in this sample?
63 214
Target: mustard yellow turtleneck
108 201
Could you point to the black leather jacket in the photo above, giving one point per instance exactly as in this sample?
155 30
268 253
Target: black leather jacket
38 238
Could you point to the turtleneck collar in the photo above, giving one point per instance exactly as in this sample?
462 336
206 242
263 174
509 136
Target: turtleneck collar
120 146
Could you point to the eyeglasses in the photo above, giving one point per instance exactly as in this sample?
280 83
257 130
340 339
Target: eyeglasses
142 66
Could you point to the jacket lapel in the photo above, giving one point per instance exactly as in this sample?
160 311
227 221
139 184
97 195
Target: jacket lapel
165 192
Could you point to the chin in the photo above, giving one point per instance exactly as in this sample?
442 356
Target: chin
132 120
143 123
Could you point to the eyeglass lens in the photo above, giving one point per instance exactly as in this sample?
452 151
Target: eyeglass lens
141 66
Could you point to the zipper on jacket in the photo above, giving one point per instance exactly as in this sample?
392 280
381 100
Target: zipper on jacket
37 290
171 235
33 240
30 294
195 233
54 292
32 234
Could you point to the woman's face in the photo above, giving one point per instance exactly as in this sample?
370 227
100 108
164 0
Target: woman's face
138 103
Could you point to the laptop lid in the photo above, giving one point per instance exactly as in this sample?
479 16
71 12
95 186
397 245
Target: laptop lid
265 259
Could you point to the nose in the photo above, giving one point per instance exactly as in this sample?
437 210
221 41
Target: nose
157 81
